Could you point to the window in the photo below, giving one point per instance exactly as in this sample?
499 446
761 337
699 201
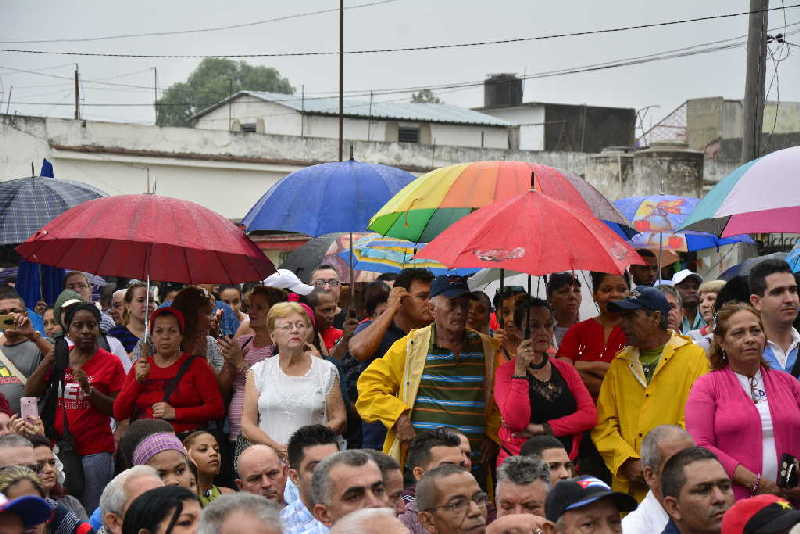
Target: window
249 127
408 135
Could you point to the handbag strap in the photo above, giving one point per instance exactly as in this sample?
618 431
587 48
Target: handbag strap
66 434
172 383
12 368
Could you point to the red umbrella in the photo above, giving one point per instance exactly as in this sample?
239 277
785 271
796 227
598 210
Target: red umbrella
148 236
534 234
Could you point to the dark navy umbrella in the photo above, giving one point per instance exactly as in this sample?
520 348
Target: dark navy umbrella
27 204
326 198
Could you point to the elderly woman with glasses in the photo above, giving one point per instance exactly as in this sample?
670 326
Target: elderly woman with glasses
291 390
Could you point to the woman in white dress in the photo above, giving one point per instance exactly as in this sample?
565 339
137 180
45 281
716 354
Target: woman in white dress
294 388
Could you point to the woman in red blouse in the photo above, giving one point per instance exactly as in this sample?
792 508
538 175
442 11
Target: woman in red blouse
170 385
591 344
91 381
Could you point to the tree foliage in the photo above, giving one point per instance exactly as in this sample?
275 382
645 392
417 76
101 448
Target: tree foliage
213 80
425 96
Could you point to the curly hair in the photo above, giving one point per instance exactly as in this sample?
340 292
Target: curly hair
717 355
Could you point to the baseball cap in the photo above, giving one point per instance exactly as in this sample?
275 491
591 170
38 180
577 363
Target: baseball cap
582 491
32 510
286 279
762 514
680 276
451 286
642 298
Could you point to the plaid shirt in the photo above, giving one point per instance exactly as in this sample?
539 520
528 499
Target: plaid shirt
296 519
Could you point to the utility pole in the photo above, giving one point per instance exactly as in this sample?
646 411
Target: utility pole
302 110
341 82
155 93
753 108
77 94
230 104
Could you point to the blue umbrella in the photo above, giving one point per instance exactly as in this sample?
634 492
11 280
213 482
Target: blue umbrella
793 258
326 198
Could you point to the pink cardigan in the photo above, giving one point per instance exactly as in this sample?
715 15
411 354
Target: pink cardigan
513 400
722 418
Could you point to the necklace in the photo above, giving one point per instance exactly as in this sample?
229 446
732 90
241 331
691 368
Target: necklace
540 365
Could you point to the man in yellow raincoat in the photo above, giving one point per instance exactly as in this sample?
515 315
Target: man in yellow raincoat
646 386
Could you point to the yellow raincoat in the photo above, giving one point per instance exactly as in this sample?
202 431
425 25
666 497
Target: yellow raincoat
628 407
388 387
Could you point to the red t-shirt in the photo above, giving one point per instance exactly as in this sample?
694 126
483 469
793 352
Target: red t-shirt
90 429
583 342
196 399
330 336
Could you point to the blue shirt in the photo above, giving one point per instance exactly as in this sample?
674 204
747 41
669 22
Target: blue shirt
774 360
296 519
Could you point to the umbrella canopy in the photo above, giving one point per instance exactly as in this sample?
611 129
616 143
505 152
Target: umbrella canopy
141 236
535 234
684 241
744 267
326 198
762 195
434 201
793 258
379 254
27 204
656 213
327 250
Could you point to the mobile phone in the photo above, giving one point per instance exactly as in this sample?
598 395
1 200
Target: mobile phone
29 407
6 321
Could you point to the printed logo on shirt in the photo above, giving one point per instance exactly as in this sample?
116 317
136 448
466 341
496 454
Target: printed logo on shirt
6 377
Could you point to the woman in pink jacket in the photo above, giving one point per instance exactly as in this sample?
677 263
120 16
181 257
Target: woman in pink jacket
743 411
537 394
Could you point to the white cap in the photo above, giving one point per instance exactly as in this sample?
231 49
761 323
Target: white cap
663 283
680 276
286 279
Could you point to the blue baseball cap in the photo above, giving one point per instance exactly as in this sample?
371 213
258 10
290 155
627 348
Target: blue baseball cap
451 286
642 298
32 510
582 491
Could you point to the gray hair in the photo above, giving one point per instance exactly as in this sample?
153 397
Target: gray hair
650 453
215 514
14 440
356 522
427 493
321 480
385 462
667 291
523 470
114 497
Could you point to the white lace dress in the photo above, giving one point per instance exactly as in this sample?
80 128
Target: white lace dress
286 403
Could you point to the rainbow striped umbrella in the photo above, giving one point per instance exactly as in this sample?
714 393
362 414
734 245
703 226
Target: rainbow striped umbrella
431 203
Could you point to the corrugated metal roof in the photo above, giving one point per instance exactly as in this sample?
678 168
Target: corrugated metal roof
445 113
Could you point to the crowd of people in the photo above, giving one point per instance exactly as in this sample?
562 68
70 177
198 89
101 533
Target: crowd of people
417 405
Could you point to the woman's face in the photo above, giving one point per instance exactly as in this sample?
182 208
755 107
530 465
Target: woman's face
541 323
47 464
291 332
744 339
166 335
137 307
204 452
172 468
83 330
257 311
566 300
51 327
612 287
187 522
706 306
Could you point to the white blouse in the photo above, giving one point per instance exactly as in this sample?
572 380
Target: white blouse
758 392
286 403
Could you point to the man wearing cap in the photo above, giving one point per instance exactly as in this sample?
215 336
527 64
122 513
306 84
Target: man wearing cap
646 385
439 375
577 501
762 514
23 513
688 284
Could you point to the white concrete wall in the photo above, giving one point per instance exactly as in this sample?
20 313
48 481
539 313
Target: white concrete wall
469 136
278 119
531 121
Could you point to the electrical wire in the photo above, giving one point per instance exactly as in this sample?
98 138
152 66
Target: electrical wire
202 30
473 44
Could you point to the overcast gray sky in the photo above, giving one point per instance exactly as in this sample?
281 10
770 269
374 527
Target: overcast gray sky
395 24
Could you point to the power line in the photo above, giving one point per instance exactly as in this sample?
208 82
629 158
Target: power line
201 30
401 49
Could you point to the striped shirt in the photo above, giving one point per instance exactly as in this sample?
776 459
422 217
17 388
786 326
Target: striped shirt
451 391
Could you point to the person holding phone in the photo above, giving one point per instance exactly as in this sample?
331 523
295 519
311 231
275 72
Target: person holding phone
292 389
537 394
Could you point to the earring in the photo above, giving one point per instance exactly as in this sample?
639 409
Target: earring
724 355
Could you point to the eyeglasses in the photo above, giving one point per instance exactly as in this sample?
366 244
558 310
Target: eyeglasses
460 505
333 282
299 325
